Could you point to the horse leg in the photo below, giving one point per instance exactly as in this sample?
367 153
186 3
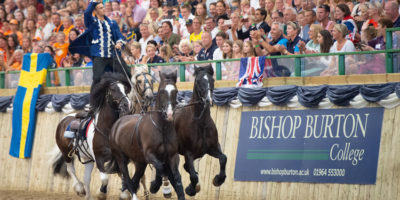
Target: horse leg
124 190
175 177
156 183
87 177
78 186
146 192
219 178
104 183
196 164
139 171
123 167
167 192
191 188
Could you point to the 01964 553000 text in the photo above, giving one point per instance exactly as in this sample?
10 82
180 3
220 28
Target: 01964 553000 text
329 172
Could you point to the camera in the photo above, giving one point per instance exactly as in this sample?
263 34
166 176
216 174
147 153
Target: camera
228 22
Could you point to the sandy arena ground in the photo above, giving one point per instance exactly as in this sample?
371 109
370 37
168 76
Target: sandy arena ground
23 195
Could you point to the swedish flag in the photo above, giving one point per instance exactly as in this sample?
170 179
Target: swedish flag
130 36
33 75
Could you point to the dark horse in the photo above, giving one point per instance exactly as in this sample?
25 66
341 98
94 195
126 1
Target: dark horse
197 133
109 99
141 96
149 138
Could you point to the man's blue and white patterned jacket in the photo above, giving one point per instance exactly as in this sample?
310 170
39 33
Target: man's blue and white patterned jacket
99 38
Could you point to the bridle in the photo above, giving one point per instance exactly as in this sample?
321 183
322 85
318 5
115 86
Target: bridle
203 100
111 100
148 85
116 101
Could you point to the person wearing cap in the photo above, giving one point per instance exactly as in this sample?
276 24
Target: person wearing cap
100 41
187 30
5 28
14 29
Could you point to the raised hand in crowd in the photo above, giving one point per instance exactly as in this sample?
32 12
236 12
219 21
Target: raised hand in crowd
145 58
302 46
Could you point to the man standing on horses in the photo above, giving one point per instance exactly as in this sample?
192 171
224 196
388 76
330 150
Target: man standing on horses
100 42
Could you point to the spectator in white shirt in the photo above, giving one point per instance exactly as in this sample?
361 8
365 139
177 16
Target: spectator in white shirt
219 39
146 36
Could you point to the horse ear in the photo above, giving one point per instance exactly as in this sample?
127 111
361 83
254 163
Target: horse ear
175 75
210 70
196 70
133 80
161 75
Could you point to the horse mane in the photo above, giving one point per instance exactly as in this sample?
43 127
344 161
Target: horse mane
98 90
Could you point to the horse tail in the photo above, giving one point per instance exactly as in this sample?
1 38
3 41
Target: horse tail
58 163
111 167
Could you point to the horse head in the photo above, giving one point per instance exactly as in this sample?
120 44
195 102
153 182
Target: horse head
167 92
143 85
204 84
112 89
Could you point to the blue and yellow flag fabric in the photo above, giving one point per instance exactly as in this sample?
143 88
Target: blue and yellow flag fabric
33 75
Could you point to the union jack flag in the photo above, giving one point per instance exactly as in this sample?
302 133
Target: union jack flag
251 72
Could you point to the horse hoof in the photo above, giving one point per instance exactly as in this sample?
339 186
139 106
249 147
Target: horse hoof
146 195
124 195
154 187
198 188
79 189
101 196
190 190
167 195
218 180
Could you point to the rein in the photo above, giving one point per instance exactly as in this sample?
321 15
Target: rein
126 75
107 99
123 69
194 103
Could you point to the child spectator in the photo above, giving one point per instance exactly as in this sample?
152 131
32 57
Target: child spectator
15 62
26 45
61 48
248 49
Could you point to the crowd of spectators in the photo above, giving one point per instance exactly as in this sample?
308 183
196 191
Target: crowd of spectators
161 31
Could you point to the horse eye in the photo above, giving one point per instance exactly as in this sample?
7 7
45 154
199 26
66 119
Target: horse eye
139 81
